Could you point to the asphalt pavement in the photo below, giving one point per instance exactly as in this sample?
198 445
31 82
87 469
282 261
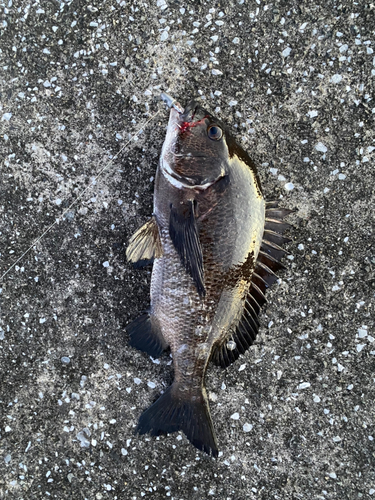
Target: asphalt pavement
295 83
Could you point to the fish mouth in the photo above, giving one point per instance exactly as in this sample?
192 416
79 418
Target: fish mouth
189 112
186 114
192 116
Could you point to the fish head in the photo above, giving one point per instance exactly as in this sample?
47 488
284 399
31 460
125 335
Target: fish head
195 150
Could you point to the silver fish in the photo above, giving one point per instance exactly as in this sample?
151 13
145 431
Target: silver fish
215 246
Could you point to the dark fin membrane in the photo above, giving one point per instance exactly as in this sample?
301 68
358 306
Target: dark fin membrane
276 212
268 263
145 244
274 237
173 412
142 263
275 218
273 249
267 260
257 294
240 339
272 204
184 234
271 252
146 336
276 225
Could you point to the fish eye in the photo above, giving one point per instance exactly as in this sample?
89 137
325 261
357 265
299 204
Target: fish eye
214 132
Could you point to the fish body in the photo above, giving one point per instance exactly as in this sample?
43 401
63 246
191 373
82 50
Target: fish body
211 266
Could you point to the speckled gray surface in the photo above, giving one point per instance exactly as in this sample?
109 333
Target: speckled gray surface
295 81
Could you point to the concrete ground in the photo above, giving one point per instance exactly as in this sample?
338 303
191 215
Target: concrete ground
295 82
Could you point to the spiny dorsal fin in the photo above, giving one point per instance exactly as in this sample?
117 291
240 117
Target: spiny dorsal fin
275 224
184 235
271 248
274 237
145 244
242 335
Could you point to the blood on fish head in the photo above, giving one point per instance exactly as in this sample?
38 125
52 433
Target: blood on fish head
195 150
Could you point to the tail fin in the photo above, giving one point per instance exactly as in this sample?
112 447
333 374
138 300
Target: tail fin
171 413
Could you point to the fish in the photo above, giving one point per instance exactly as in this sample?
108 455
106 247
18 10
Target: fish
216 245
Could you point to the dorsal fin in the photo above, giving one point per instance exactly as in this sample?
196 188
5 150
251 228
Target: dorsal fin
242 334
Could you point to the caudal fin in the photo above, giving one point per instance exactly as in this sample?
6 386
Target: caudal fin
171 413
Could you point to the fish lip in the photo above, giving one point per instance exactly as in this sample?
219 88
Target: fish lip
174 115
190 111
192 116
194 111
182 122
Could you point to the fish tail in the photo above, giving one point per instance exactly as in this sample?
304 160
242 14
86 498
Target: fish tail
175 411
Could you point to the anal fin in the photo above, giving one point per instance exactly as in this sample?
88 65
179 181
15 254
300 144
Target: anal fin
145 244
145 335
239 338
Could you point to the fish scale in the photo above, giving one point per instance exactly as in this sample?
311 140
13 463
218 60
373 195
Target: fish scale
215 245
177 305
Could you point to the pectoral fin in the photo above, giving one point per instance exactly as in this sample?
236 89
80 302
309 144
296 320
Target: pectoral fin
145 244
184 234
